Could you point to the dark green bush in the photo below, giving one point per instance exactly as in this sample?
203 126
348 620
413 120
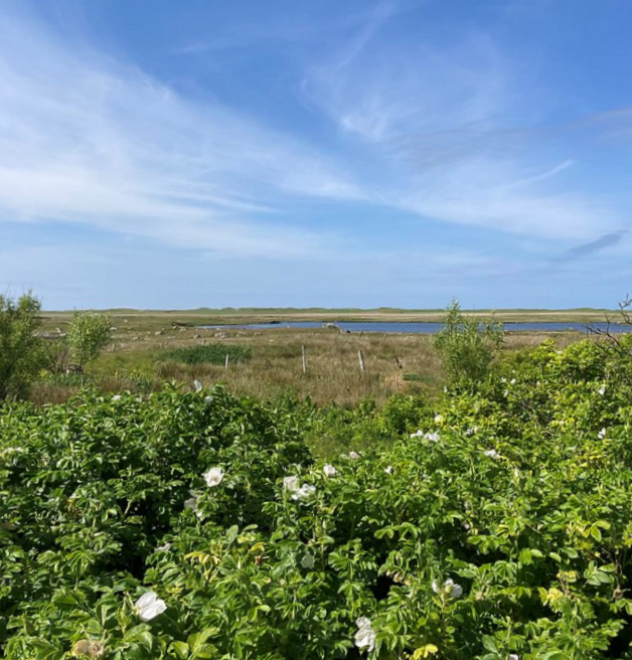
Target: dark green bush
22 351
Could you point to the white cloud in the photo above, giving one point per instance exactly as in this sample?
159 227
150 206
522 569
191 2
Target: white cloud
503 196
88 140
429 127
391 89
459 137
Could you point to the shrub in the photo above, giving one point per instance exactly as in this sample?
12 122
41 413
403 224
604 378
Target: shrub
22 351
87 335
211 354
499 529
467 346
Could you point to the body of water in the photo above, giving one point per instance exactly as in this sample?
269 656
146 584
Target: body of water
421 328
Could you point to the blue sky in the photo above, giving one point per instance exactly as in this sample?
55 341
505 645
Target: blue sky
336 153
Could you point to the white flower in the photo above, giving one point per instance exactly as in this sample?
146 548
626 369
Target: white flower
208 399
291 483
438 419
602 434
149 606
602 390
433 437
456 590
304 492
512 381
492 453
116 397
197 385
307 561
191 503
329 470
12 450
365 637
513 656
164 548
213 477
417 434
389 469
471 431
448 588
353 455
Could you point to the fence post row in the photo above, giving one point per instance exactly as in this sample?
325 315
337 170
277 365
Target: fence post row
304 359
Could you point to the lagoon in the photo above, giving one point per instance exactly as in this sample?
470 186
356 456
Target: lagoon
420 328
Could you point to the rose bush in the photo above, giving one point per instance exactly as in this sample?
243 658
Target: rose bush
199 526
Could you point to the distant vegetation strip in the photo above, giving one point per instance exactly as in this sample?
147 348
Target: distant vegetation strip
241 316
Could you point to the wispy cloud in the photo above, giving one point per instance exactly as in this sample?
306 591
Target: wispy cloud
88 140
379 15
393 90
588 249
309 23
482 193
403 130
457 145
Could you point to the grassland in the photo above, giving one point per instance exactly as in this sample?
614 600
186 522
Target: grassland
241 316
145 346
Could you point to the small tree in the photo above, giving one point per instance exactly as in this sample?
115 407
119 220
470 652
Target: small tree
467 347
22 351
87 335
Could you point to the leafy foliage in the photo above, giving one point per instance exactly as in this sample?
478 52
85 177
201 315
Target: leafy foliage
88 334
467 346
499 528
22 352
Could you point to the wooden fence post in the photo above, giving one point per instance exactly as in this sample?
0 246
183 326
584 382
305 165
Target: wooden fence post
304 355
226 361
361 360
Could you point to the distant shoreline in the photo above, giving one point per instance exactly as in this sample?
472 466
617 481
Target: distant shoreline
236 316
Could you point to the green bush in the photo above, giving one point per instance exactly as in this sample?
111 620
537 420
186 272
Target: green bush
499 527
88 334
467 347
209 354
22 351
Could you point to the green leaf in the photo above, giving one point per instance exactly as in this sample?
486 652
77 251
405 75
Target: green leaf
180 649
490 644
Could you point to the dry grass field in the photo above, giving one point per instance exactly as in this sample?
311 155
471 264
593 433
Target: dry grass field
139 359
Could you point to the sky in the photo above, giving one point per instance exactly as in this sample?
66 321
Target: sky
294 153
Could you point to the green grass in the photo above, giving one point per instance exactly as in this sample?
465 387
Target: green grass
212 354
416 378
